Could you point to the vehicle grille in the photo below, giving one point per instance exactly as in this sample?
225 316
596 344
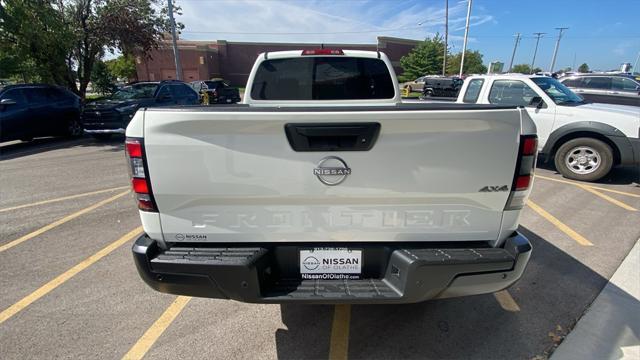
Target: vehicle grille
100 116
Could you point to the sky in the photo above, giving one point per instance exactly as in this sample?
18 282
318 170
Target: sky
602 33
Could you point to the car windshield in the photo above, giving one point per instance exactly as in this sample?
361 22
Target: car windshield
138 91
559 93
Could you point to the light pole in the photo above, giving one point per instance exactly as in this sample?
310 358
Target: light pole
555 51
446 37
513 54
466 35
535 51
176 53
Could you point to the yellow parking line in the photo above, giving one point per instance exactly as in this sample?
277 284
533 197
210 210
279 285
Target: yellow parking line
590 186
608 198
63 198
61 279
56 223
564 228
152 334
506 301
614 191
339 345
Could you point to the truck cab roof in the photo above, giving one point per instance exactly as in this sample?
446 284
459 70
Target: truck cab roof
507 76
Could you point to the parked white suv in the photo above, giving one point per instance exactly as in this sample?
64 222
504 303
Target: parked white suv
584 140
324 187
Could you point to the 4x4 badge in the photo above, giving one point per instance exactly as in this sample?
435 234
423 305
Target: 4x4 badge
495 188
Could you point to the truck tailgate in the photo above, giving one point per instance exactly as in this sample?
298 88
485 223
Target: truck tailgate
221 176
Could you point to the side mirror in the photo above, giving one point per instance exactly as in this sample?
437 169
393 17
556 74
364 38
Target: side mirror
536 102
6 102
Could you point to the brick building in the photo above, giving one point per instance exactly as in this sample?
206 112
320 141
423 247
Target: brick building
203 60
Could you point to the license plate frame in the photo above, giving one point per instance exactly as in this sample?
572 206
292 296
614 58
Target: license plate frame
330 263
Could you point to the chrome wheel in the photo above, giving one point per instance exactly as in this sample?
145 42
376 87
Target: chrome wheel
582 160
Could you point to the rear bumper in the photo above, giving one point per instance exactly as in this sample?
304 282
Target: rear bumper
405 273
105 131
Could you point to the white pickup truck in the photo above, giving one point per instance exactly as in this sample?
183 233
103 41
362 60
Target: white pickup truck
323 187
584 140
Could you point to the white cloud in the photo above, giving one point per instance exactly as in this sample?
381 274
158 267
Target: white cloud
329 21
622 47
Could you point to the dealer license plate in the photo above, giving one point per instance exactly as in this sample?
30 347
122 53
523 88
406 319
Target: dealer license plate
330 263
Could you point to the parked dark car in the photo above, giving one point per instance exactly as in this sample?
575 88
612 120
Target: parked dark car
105 117
218 91
441 87
618 89
34 110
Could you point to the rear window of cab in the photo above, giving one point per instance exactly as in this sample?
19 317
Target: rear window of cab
473 91
322 78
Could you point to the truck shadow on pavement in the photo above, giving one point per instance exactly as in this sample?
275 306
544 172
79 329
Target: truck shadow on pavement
552 295
14 150
619 175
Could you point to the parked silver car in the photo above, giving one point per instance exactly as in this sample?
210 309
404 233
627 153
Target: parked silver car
605 88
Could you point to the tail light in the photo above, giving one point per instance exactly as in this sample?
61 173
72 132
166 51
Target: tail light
523 177
139 174
323 52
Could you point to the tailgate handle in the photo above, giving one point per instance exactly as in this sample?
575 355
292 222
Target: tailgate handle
332 137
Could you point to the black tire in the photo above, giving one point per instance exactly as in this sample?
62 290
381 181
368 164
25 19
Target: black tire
408 87
74 128
425 95
593 159
102 137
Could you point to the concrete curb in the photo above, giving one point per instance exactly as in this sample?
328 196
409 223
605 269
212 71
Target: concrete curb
611 327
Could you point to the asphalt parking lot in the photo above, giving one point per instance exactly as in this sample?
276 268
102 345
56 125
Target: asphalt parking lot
69 289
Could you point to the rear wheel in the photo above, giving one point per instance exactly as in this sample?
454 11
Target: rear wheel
584 159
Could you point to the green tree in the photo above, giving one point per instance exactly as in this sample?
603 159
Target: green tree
521 68
424 59
472 63
122 67
38 39
583 68
12 67
537 70
102 79
61 41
